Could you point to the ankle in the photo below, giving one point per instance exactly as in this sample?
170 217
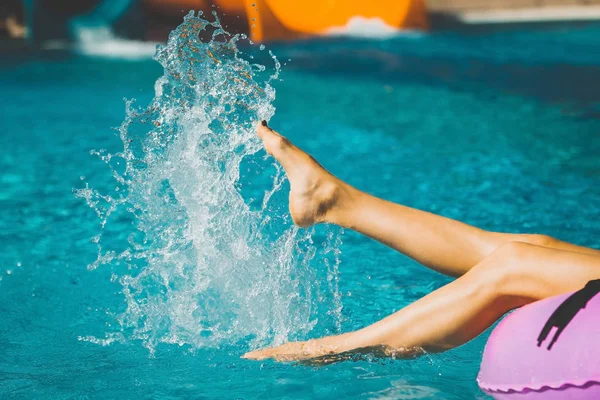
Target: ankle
340 195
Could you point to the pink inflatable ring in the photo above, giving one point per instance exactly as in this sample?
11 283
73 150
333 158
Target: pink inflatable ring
546 350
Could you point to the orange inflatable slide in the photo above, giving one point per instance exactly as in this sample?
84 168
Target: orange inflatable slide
289 19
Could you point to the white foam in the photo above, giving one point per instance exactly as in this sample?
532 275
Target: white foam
107 341
374 28
101 41
199 266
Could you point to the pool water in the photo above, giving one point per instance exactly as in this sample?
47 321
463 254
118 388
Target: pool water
499 129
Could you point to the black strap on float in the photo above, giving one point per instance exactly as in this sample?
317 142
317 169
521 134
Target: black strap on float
567 311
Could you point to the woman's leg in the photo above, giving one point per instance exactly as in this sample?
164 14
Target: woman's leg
446 245
513 275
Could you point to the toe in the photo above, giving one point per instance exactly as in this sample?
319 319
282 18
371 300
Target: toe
274 143
256 355
263 129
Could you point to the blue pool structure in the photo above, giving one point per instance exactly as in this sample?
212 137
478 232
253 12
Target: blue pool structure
144 251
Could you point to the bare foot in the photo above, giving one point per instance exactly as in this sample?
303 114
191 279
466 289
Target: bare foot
314 191
331 349
298 351
295 351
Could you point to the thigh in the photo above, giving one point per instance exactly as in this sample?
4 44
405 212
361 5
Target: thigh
536 272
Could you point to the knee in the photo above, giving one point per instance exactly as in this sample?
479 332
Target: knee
510 252
540 240
496 273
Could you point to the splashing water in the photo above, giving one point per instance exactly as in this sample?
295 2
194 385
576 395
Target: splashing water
201 261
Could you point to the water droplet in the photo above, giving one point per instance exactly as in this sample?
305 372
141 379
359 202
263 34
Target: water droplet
82 178
19 264
8 271
262 47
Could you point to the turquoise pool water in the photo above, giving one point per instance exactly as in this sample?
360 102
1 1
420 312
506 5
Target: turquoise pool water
501 130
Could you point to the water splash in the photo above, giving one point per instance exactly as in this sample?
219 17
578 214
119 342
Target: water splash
195 228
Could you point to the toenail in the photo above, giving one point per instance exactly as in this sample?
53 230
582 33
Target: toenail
264 123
